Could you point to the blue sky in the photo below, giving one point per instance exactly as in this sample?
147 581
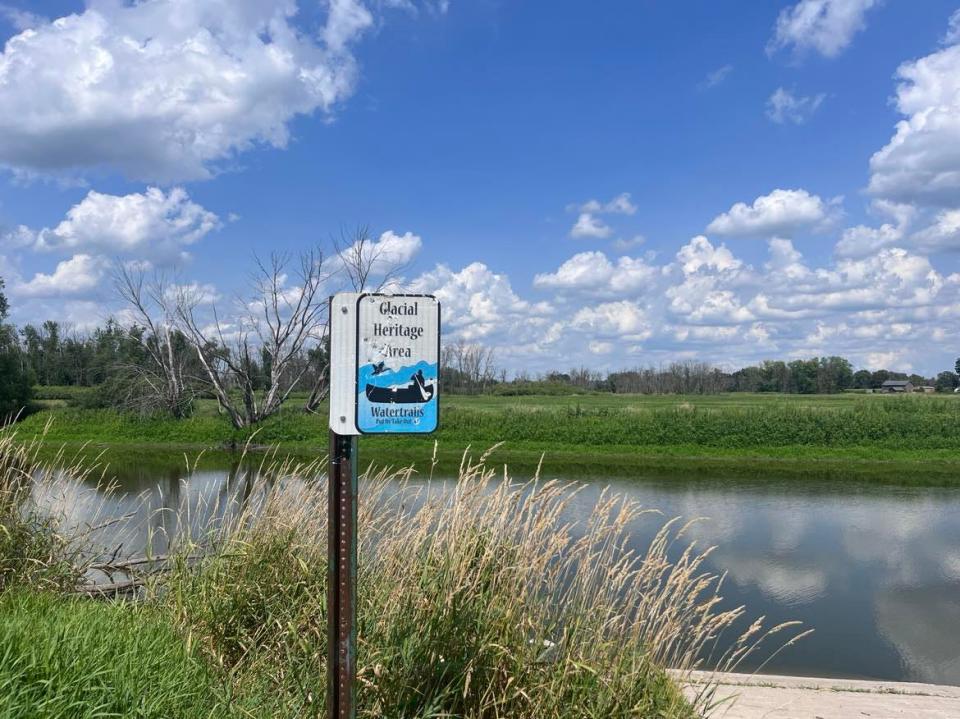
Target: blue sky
612 183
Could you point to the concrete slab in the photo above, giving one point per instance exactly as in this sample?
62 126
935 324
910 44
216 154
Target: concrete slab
761 696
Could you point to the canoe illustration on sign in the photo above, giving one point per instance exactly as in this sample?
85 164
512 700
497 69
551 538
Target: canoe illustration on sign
416 392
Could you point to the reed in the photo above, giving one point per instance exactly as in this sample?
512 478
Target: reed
477 599
33 551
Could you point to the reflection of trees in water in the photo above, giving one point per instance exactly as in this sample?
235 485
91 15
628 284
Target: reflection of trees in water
150 509
193 504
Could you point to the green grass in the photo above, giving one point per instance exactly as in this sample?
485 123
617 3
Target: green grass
910 437
63 658
482 602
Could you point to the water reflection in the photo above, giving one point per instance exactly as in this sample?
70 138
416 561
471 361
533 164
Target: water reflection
875 570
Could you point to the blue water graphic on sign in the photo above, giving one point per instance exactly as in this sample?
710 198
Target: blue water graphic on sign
397 401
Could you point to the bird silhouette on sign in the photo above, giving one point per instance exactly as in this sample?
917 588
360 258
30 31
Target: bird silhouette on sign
379 368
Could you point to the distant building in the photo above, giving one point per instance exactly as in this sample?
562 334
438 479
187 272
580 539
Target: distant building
897 386
926 389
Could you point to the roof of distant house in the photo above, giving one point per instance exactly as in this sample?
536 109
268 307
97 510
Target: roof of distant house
896 383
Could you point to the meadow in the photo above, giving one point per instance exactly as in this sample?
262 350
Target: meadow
479 601
903 438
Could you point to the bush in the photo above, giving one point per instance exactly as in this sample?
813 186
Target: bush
542 388
131 394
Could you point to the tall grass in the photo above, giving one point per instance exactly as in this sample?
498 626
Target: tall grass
34 552
479 598
909 422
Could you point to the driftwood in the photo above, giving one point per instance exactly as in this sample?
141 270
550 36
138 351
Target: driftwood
130 584
112 589
128 563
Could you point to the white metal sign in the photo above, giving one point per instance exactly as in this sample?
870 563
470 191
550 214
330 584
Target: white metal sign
384 363
398 364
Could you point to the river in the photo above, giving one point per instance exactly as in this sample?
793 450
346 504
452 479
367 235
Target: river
873 569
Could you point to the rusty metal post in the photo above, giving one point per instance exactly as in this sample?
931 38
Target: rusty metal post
342 577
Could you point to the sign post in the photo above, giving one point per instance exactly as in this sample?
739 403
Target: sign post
384 379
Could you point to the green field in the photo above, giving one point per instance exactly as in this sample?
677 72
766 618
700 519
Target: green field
912 438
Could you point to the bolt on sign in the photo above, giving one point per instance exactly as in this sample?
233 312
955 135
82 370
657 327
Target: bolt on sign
384 378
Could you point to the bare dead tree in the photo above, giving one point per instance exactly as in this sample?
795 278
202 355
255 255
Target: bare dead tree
366 265
280 321
467 367
166 375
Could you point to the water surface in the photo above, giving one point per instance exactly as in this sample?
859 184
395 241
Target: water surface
874 569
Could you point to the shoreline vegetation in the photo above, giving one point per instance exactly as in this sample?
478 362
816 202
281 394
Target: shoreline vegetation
476 600
911 440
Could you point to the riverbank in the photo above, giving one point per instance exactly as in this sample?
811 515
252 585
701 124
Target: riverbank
767 696
908 440
481 600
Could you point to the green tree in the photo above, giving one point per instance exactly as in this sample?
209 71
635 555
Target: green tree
834 374
14 377
947 382
803 376
956 366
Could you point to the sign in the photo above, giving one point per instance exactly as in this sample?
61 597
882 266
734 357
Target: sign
384 372
397 364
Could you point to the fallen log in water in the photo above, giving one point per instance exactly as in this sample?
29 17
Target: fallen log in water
128 566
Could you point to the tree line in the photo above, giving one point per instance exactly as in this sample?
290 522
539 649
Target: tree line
179 348
471 369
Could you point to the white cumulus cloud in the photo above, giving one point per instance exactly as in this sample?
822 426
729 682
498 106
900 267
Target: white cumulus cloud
921 163
824 26
80 276
166 90
943 234
624 318
619 205
588 225
594 272
953 29
151 225
782 213
863 240
392 250
481 304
